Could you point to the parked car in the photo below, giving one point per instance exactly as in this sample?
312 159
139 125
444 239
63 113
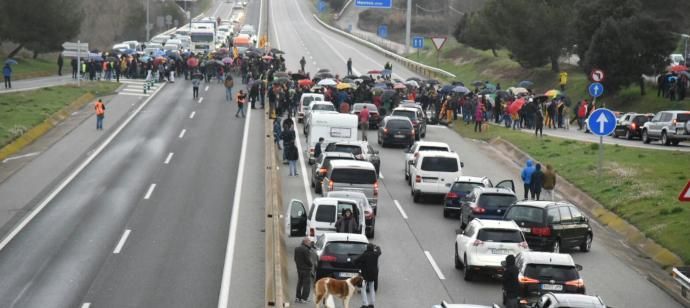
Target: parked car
484 244
323 214
337 253
352 175
360 149
433 173
369 211
464 185
374 116
396 130
445 304
545 272
487 203
304 102
565 300
416 116
320 168
669 127
421 146
552 226
630 125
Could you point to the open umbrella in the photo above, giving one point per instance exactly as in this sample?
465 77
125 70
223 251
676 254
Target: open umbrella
298 76
517 91
323 70
216 62
541 98
281 74
477 83
365 77
11 61
343 86
416 79
503 94
227 60
267 58
460 90
412 83
304 82
552 93
111 59
377 91
129 51
192 62
486 91
146 59
399 86
324 75
374 72
316 87
277 51
679 68
327 82
525 84
350 77
159 60
447 88
432 81
515 106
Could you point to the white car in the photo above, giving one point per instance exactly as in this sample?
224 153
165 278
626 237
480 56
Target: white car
316 107
323 214
420 146
304 102
433 173
484 244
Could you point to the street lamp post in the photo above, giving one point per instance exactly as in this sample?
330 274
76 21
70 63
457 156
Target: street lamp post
407 26
148 26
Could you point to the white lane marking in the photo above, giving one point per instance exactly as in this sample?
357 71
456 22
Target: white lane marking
206 89
191 116
437 126
74 174
182 133
400 209
201 99
150 191
20 156
380 175
122 241
167 159
434 265
86 305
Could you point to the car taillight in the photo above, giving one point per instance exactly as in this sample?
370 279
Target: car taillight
312 232
323 171
633 125
478 210
414 122
417 179
578 283
330 185
412 132
327 258
523 245
376 188
311 150
541 231
527 280
477 243
451 195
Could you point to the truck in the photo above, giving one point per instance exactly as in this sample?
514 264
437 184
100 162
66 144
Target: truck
682 275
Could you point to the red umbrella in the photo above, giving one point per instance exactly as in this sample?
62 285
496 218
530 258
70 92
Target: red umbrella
192 62
159 60
516 106
267 58
374 72
679 68
304 83
399 86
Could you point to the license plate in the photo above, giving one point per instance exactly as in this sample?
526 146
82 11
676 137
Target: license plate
348 275
429 180
399 136
552 287
526 230
500 251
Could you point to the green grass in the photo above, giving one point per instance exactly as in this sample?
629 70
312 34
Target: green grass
640 185
20 111
44 65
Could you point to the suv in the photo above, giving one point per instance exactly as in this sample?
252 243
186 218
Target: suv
360 149
396 130
630 125
565 300
669 127
420 146
543 272
486 203
452 202
433 173
352 175
320 168
485 244
337 253
551 226
416 116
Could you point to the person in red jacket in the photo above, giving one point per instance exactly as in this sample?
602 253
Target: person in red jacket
581 114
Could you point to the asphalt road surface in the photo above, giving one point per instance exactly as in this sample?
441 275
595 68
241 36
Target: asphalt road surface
409 235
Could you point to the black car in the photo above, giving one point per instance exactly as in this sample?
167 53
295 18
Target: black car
396 130
337 253
551 226
630 125
374 116
546 272
416 116
319 170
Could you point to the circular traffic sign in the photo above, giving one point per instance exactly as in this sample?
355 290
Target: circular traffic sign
602 122
597 75
595 89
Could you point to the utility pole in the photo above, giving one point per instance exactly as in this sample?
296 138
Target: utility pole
148 25
407 26
685 53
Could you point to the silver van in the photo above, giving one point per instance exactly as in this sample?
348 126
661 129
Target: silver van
352 175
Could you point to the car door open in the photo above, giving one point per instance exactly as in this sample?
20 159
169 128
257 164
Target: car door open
296 218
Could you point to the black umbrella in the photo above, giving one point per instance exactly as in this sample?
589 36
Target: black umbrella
447 88
324 75
254 49
418 80
525 84
298 76
457 83
350 77
477 83
487 91
323 70
432 81
365 77
277 51
281 74
503 94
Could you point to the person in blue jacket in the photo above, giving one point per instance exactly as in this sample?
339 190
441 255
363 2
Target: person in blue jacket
7 72
526 176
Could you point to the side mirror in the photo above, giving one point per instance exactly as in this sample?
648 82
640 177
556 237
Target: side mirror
578 267
462 165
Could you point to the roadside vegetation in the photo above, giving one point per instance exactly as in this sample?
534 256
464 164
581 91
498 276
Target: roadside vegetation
20 111
44 65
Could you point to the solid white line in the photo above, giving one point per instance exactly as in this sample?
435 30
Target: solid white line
86 305
150 191
191 116
201 99
122 241
400 209
167 159
182 133
380 175
434 265
20 156
206 89
224 295
132 94
73 175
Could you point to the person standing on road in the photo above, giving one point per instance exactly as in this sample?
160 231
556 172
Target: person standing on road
292 156
7 72
368 263
100 114
539 123
195 87
364 121
317 148
277 131
526 176
59 63
302 63
228 83
549 183
349 66
511 286
536 182
241 100
304 261
347 223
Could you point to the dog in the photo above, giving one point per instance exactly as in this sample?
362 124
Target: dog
343 289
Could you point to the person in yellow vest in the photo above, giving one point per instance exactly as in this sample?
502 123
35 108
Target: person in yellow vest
100 114
563 80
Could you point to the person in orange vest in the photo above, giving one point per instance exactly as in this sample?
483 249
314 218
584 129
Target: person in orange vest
100 114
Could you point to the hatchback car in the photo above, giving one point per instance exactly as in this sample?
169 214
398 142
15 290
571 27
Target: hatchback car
565 300
416 116
452 202
485 244
395 130
544 272
630 125
352 175
320 168
552 226
486 203
337 253
433 173
374 116
421 146
360 149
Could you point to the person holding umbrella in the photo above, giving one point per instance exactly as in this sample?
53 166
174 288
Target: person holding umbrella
7 72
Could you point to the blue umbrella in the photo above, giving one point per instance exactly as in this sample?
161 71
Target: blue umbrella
11 61
145 58
95 57
129 51
525 84
447 88
159 53
460 89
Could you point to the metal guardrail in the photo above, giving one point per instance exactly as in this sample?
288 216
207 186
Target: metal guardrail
413 65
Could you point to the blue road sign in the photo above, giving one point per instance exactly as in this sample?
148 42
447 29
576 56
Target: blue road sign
381 4
418 42
383 31
596 89
322 6
349 28
602 122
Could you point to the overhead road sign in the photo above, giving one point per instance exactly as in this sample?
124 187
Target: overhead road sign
597 75
418 42
379 4
439 41
685 193
596 89
602 122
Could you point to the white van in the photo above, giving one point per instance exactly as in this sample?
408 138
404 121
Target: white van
323 214
304 102
333 127
434 172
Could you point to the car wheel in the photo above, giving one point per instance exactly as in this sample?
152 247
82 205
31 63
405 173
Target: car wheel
664 139
628 135
458 264
645 137
416 196
446 214
587 244
467 274
675 142
556 246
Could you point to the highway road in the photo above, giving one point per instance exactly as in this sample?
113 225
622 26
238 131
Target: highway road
416 267
147 222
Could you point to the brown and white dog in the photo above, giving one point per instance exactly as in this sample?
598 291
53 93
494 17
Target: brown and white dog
342 289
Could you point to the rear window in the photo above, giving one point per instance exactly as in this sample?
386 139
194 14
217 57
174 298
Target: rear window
323 107
397 124
682 117
444 164
495 201
354 176
405 113
464 188
641 119
526 214
325 213
551 272
343 148
328 159
345 248
428 148
500 236
372 108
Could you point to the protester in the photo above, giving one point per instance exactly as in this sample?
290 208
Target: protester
317 148
368 264
59 63
364 121
241 100
228 83
100 114
7 72
526 176
549 183
195 87
292 156
304 261
511 285
536 182
347 223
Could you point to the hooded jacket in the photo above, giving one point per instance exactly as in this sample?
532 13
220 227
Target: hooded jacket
549 178
510 278
537 180
368 262
526 174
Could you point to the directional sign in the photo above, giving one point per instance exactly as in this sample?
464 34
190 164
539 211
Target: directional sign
383 31
418 42
322 6
380 4
74 53
602 122
685 194
73 46
596 89
597 75
439 41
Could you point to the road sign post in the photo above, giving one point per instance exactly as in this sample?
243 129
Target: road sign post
72 49
685 193
383 31
602 122
438 43
418 43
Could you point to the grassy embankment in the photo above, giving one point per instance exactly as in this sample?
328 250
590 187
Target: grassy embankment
44 65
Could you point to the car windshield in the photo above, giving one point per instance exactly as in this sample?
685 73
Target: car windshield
430 148
405 113
345 148
526 214
443 164
398 124
500 235
328 159
325 213
496 201
327 107
551 272
345 248
464 187
353 176
682 117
